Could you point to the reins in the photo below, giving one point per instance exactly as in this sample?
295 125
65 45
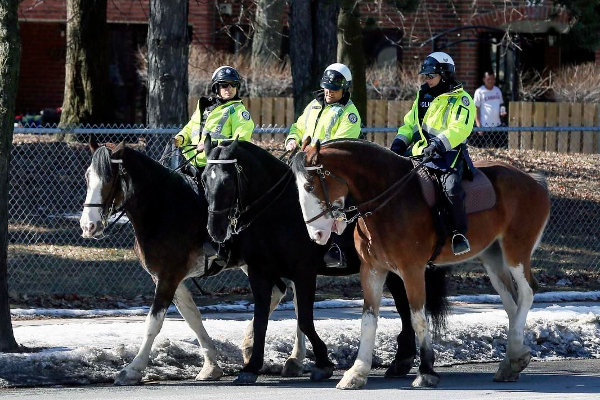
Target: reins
339 213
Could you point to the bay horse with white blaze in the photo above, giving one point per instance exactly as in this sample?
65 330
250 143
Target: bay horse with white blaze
396 233
252 198
169 220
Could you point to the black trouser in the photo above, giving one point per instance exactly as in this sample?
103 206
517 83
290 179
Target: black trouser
455 195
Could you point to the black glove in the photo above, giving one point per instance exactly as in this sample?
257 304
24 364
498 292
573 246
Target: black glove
430 151
398 146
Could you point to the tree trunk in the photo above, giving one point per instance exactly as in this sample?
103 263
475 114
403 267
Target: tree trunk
87 95
10 54
325 16
350 52
168 63
266 41
313 33
301 53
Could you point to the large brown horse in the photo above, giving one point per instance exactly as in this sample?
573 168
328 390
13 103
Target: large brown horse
396 233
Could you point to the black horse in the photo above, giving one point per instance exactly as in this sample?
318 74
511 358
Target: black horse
251 197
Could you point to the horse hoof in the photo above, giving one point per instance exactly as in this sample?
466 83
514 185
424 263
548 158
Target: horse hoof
426 380
352 381
128 377
505 372
504 375
520 363
320 374
293 367
246 378
210 373
400 368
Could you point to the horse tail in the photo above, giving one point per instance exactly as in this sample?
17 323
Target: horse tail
436 301
540 178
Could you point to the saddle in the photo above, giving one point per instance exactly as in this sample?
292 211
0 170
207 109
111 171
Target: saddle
480 192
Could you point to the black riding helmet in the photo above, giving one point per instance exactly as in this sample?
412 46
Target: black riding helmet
438 63
225 74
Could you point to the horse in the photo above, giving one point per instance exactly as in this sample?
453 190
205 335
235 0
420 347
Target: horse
169 220
396 234
251 199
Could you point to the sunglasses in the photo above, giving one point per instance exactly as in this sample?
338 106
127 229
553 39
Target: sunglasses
430 76
227 85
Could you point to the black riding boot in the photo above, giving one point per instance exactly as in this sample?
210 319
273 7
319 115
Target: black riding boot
216 257
460 244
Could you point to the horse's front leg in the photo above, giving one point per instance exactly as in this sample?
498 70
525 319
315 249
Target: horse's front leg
163 296
407 349
261 291
371 280
188 310
414 282
276 295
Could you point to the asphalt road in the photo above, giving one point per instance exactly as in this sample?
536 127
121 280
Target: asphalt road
570 379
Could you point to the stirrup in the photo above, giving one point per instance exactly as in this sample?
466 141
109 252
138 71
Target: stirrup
460 244
334 258
213 261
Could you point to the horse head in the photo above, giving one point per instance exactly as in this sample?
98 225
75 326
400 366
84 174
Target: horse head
104 191
322 194
223 188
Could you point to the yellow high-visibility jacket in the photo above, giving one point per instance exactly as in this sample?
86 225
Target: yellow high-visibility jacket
226 121
324 122
448 122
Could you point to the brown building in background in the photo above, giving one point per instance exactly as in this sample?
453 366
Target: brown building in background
478 34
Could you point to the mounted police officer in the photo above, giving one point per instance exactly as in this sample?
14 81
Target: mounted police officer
223 116
437 127
331 115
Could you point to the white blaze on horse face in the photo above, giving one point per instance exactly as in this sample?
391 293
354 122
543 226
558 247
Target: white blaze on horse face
91 221
320 229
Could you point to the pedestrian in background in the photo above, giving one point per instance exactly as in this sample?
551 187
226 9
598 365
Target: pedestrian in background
490 111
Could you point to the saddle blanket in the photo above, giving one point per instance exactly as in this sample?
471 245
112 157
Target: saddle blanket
480 192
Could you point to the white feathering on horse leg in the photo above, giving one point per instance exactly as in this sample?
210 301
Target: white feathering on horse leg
190 313
516 334
372 283
132 374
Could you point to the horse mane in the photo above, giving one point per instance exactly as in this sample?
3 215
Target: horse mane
262 156
101 163
362 150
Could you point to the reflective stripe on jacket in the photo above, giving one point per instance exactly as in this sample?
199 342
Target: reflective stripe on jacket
448 122
226 121
335 121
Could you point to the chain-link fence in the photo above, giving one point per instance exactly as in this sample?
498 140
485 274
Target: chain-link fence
48 255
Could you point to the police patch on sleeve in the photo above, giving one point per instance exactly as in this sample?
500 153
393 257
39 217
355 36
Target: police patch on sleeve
465 101
352 118
246 115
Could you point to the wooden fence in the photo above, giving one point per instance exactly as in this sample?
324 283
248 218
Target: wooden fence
389 114
555 114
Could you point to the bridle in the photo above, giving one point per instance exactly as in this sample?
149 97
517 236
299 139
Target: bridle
340 213
111 198
236 210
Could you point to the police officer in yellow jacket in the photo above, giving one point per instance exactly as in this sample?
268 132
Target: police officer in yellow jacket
437 127
223 116
331 115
